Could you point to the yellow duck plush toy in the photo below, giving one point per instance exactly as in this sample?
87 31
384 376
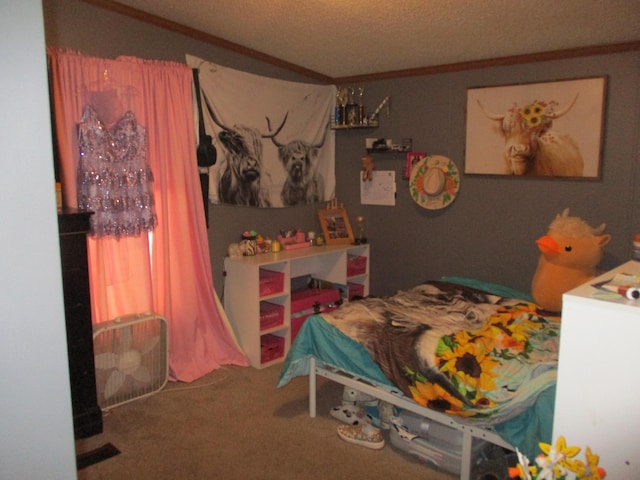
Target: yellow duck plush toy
570 252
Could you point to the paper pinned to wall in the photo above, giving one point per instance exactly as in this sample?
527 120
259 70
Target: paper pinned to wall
380 190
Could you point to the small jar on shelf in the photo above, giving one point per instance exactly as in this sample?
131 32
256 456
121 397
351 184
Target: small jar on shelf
635 254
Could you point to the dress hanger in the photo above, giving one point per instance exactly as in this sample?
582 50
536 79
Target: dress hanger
106 82
109 98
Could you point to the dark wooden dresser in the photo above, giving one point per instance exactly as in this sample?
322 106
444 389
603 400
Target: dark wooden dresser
73 228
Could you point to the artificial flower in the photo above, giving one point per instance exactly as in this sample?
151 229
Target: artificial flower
522 470
533 114
557 462
560 451
593 471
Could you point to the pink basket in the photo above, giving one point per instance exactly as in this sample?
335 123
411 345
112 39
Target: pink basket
309 298
355 290
271 282
356 265
271 347
271 315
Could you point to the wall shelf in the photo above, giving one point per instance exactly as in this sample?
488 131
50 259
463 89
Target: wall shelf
354 127
386 152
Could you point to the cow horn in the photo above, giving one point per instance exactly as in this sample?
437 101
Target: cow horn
492 116
600 230
213 115
272 135
564 110
278 144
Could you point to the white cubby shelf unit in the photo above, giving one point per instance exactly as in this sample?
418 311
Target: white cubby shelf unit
263 283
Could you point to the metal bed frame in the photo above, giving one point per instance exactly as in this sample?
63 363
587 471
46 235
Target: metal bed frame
398 399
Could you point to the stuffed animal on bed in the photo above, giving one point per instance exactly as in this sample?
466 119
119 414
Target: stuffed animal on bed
570 253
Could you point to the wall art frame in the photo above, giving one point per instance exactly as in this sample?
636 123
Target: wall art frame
545 130
335 226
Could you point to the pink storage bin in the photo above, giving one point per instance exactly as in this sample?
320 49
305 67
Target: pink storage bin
271 348
305 299
356 265
271 282
355 290
271 315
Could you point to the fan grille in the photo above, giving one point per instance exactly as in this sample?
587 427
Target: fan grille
131 358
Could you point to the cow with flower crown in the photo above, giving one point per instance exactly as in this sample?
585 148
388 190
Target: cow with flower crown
531 147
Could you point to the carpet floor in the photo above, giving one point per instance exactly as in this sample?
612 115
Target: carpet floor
235 424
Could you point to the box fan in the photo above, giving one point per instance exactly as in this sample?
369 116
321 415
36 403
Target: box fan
131 358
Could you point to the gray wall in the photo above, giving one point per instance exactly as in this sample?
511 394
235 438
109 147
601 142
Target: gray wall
489 232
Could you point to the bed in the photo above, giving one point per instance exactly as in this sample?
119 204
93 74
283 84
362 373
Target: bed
472 355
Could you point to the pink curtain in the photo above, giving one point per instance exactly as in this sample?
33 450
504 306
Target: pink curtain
171 274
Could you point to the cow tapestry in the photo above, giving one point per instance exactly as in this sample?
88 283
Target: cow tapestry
275 146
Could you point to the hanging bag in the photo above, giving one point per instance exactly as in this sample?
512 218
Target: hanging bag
207 154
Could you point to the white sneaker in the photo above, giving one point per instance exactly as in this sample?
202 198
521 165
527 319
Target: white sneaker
365 435
350 414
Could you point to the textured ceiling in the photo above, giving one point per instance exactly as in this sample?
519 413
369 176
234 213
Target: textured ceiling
342 38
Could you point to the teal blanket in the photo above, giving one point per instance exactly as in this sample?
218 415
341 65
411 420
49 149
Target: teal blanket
500 373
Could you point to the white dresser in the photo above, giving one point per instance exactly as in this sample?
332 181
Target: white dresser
598 392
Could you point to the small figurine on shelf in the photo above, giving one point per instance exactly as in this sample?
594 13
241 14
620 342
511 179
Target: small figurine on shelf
367 167
248 244
263 245
251 243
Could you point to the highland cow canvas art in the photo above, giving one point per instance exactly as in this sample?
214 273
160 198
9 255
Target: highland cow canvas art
551 129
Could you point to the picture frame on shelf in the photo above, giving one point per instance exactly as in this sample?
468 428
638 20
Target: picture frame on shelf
537 130
336 226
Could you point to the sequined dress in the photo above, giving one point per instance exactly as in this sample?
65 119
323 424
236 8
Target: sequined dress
114 178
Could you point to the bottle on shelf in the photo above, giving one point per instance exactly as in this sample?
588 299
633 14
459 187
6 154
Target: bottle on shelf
360 236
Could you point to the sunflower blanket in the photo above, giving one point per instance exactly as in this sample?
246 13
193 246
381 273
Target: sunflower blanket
485 355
